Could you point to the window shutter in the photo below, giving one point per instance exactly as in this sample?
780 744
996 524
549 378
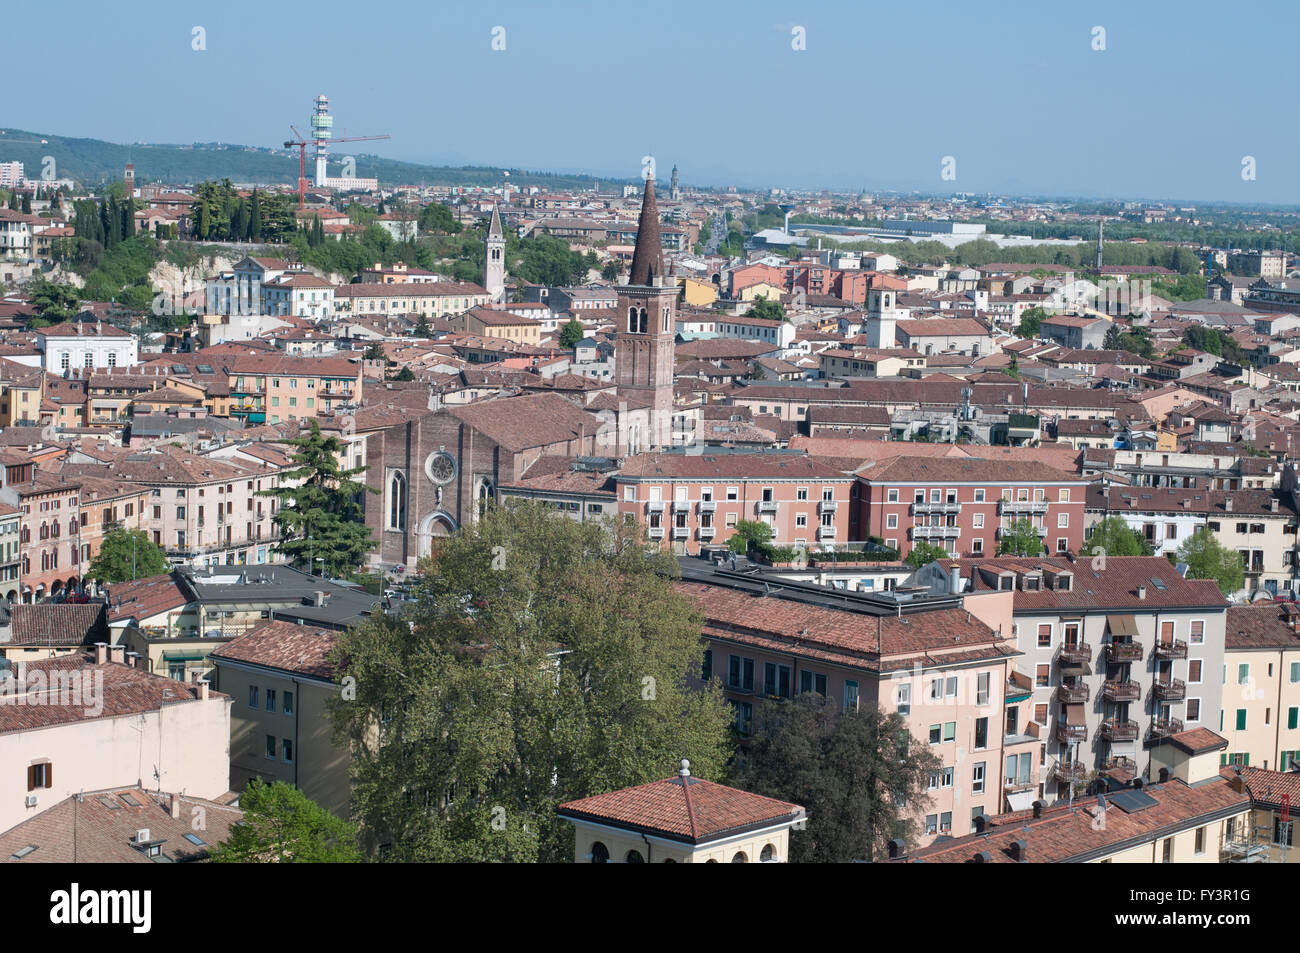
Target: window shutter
49 775
31 777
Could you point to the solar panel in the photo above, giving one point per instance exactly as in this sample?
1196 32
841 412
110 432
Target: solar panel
1131 802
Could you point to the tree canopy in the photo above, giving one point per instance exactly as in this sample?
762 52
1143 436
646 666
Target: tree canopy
768 310
572 333
1113 537
1020 539
860 774
282 825
545 660
320 516
127 554
1207 558
924 553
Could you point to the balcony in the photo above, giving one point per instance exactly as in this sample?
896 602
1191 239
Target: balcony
1121 690
1076 653
825 532
1171 649
1173 690
1124 651
1076 694
708 532
1022 506
827 506
1115 730
768 506
681 506
1068 733
681 532
923 509
1066 773
1162 727
1120 763
655 506
708 506
936 532
656 532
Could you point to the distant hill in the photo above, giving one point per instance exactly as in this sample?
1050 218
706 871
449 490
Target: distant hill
93 161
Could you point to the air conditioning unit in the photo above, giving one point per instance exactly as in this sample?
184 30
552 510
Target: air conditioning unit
142 835
30 800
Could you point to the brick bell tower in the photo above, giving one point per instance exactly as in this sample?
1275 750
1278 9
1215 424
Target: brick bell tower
646 330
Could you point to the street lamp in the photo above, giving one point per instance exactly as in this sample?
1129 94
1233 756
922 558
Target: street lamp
321 560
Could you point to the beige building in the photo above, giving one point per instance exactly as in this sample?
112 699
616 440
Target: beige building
682 820
281 680
1260 717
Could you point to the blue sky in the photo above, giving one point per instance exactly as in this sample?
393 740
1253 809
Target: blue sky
1012 91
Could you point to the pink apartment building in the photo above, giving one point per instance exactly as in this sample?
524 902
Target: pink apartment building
965 505
694 499
931 661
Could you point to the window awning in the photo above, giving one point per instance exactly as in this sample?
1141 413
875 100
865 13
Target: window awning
1122 625
1075 715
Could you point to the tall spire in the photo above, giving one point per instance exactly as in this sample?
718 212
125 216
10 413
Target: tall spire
494 229
648 259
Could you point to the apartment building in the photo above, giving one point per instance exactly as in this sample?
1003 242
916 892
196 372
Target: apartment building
300 296
929 660
106 505
281 681
428 299
80 722
49 524
491 323
10 554
1122 652
1193 814
267 388
1261 685
84 345
966 505
689 500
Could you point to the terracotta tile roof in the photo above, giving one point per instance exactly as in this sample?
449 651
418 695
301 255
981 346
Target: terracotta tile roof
738 466
1071 833
57 623
1198 741
1268 787
126 691
968 470
1261 625
144 598
520 423
688 809
302 649
97 826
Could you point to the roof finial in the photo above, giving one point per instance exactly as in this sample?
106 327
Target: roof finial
685 770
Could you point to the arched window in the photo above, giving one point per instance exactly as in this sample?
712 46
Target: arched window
645 320
26 535
599 853
397 500
72 527
54 529
768 855
634 857
740 858
631 320
45 531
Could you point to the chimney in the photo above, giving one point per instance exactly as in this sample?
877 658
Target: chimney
1272 505
101 653
1164 775
981 823
896 848
117 653
983 857
1142 592
319 599
1038 808
1020 851
175 806
954 580
133 659
1227 504
203 690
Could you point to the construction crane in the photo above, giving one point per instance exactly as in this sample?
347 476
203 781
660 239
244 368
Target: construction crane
301 144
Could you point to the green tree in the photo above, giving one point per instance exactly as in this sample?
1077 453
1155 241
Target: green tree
749 532
127 554
860 774
422 329
375 352
1207 558
1031 322
1020 539
405 374
320 517
545 660
572 333
437 218
924 553
54 302
768 310
611 270
282 825
1112 537
1013 368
